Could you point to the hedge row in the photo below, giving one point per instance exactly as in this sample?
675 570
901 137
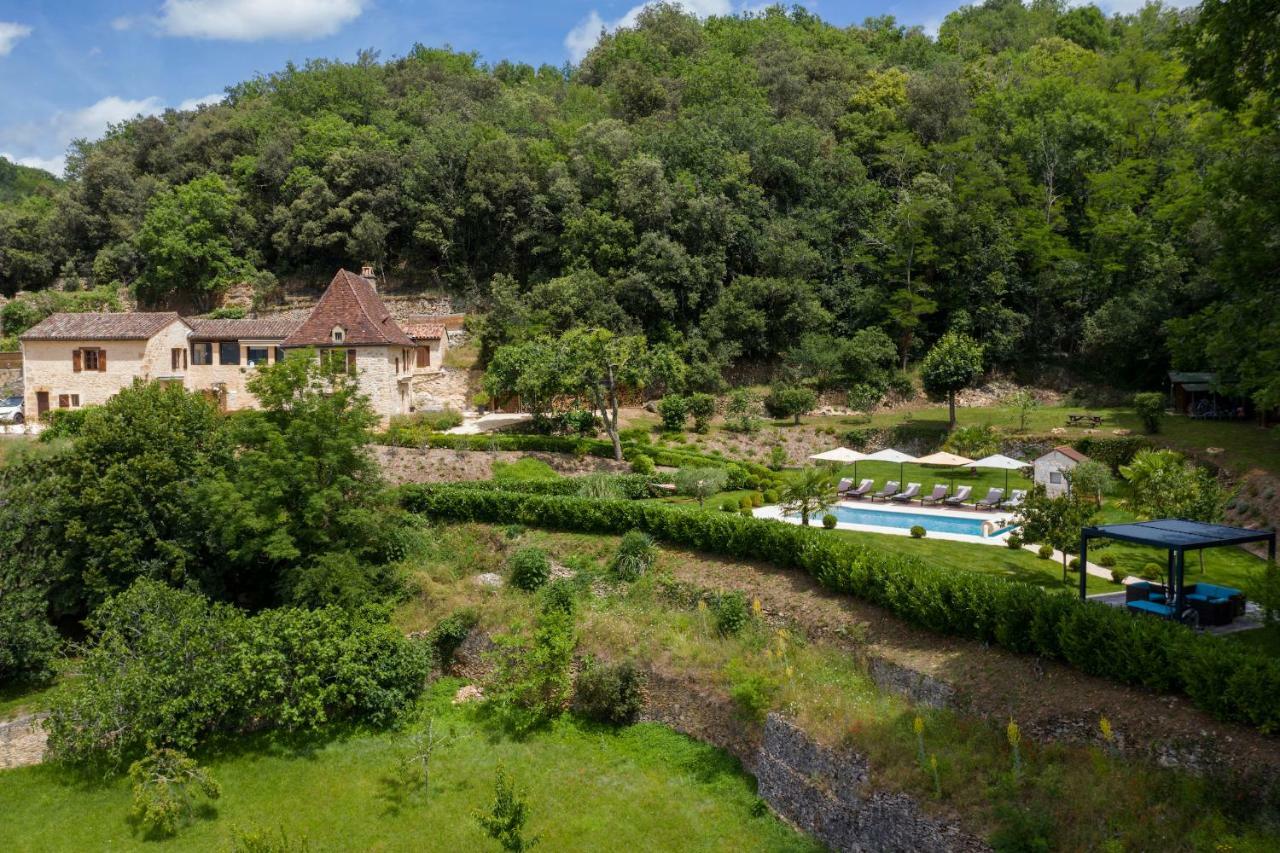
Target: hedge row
1226 680
633 486
578 446
1113 450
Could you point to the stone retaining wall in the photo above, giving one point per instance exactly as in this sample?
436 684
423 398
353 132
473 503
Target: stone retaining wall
22 741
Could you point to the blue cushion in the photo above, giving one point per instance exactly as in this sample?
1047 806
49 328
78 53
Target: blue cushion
1155 596
1198 597
1151 607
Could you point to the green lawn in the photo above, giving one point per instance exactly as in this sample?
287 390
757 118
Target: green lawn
642 787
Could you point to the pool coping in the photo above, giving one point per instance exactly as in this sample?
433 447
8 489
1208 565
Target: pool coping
775 513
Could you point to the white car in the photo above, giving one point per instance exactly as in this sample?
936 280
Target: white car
11 410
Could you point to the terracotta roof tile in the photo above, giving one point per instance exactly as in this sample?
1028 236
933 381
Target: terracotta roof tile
1071 453
263 329
113 326
350 302
425 331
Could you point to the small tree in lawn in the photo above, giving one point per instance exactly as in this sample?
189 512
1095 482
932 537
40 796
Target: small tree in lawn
809 493
952 365
1056 522
1024 403
702 407
504 821
1149 407
1089 479
740 411
423 744
790 402
597 362
165 784
701 483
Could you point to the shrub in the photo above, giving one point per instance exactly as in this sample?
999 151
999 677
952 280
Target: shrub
1149 407
753 692
1236 684
702 407
778 457
1107 560
642 464
674 410
731 612
529 568
728 505
770 496
449 633
169 669
829 521
1152 571
757 499
636 554
701 482
1113 451
1014 542
531 680
1118 575
745 510
917 532
609 693
560 596
165 784
1045 552
744 502
784 402
1074 564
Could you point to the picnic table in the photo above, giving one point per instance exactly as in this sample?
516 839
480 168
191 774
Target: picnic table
1082 420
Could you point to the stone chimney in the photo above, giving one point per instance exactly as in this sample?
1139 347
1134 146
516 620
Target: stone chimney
366 272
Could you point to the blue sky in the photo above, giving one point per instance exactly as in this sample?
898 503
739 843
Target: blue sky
70 67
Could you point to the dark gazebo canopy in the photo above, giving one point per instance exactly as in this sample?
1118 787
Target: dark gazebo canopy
1177 536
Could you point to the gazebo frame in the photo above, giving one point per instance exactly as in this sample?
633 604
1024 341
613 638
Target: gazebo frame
1177 536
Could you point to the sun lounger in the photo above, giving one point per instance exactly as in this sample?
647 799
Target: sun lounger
912 492
992 500
890 489
864 488
961 495
843 486
1015 499
939 492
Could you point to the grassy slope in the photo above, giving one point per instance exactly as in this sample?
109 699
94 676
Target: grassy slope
644 787
1084 794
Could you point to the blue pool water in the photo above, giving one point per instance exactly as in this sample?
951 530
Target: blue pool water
932 522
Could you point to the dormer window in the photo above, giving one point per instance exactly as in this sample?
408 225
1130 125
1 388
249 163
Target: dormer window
339 334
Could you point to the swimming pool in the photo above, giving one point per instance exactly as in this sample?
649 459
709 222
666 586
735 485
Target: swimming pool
934 522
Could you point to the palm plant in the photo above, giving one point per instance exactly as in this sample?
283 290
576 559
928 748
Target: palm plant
809 493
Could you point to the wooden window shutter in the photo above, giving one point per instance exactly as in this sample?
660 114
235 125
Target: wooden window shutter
351 362
75 360
424 356
102 360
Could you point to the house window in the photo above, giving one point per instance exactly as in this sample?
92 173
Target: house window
202 353
1055 477
339 334
91 359
257 355
178 358
68 401
228 352
279 354
397 364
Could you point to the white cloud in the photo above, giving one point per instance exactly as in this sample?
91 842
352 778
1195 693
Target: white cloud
49 164
37 138
579 40
251 20
202 101
11 34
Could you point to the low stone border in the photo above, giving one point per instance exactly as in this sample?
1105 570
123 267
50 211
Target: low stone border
22 741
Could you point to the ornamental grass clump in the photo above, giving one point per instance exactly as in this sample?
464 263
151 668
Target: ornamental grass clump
636 554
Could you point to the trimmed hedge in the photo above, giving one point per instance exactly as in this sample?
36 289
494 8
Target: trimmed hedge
633 486
1112 450
1229 681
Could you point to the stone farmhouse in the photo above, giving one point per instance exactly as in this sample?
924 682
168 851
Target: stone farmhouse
74 360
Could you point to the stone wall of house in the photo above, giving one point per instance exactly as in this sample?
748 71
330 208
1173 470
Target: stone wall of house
48 366
233 378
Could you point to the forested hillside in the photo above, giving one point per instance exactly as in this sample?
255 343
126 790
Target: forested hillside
1042 178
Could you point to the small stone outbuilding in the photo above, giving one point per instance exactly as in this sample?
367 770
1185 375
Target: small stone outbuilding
1053 469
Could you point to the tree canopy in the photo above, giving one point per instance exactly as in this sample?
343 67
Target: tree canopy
1038 177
